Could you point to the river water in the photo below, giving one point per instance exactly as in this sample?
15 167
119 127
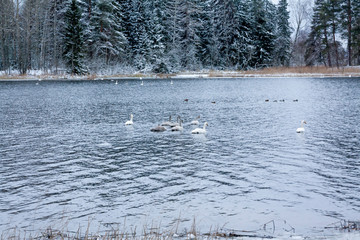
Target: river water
66 155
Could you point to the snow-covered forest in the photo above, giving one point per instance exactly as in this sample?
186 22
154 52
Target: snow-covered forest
163 36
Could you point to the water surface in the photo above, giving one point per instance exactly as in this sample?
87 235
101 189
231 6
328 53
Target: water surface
66 155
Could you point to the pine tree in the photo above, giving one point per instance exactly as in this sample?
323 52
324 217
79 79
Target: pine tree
356 31
73 40
347 23
283 33
316 42
333 12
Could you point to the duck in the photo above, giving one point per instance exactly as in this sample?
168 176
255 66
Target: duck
167 123
195 121
200 130
186 100
301 129
130 122
178 128
158 129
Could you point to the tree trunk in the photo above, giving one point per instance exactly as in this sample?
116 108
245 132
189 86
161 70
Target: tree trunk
17 36
334 42
55 38
327 47
349 42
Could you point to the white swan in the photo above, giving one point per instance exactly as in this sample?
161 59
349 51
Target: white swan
116 82
178 128
200 130
130 122
177 123
171 82
301 129
158 129
142 83
195 121
167 123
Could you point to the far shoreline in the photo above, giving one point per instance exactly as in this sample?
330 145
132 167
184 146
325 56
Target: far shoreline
278 72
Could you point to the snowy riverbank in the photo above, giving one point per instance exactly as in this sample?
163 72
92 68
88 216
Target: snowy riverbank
317 72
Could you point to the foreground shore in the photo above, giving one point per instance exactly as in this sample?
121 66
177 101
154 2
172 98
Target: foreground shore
318 72
341 230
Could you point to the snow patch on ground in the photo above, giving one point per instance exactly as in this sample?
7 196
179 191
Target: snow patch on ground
191 76
43 75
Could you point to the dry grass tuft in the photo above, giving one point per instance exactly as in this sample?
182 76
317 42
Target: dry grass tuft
306 70
315 71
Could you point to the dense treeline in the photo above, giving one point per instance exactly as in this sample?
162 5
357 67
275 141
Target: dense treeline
147 35
168 35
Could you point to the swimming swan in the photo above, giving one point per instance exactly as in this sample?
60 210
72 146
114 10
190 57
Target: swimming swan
178 128
130 122
177 123
301 129
200 130
158 129
195 121
167 123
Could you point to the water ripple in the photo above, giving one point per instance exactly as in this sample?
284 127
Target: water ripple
66 153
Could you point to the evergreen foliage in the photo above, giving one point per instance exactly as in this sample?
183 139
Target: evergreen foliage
263 35
165 36
283 33
356 32
73 40
106 40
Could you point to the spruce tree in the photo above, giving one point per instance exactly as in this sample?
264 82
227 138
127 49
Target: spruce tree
227 31
262 33
158 37
106 39
209 44
283 38
190 25
244 42
173 27
73 40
